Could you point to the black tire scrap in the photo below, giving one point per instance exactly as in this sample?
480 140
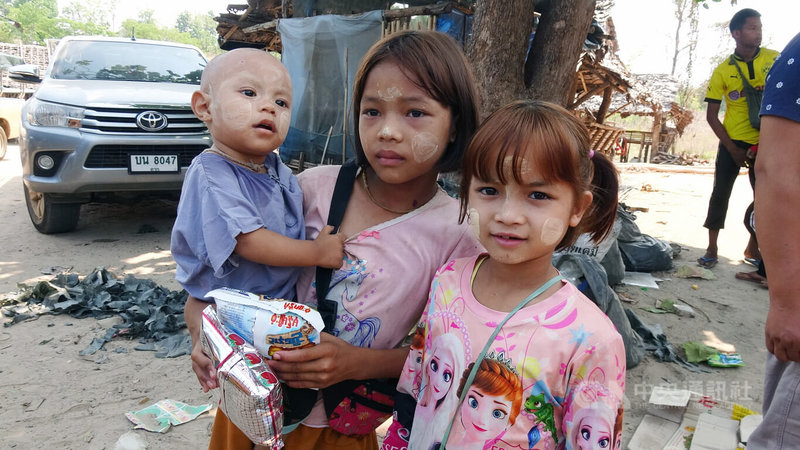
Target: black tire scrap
149 312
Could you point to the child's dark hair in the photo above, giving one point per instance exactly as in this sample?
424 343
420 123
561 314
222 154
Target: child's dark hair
738 19
546 136
435 62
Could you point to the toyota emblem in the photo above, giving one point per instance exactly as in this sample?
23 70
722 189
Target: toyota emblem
151 121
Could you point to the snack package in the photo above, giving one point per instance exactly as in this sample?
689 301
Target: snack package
249 392
268 324
725 359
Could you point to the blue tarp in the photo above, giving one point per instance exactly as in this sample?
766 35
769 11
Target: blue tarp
314 51
456 24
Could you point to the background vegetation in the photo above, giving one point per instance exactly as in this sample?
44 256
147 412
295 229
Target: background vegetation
36 21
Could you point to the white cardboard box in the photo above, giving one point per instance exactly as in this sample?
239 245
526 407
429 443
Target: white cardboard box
674 416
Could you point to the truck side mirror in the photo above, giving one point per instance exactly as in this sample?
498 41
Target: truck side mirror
25 73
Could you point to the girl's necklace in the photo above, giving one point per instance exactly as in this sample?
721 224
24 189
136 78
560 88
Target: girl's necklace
379 204
257 168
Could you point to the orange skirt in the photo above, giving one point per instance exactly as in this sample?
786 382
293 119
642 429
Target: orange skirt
226 436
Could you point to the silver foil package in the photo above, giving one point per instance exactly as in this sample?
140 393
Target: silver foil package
250 394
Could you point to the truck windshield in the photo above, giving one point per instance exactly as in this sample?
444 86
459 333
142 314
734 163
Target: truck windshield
128 61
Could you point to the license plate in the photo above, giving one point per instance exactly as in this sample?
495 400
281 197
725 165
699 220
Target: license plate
154 163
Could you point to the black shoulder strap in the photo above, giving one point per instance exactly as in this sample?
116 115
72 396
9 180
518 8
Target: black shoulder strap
341 195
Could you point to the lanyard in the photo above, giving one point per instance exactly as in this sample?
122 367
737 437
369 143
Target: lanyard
480 357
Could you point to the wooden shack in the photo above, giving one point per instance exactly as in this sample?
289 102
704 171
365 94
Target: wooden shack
604 87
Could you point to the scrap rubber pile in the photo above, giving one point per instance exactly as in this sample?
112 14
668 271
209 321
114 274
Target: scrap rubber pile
149 312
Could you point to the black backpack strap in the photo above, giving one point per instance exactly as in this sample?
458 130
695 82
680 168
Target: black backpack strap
298 402
341 195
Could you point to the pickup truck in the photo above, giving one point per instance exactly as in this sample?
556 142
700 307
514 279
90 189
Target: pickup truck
111 119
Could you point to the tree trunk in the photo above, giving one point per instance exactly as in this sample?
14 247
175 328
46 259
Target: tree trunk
601 113
551 66
497 48
680 6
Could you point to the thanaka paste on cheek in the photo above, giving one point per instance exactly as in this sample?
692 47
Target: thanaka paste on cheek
552 231
282 123
424 147
243 114
475 222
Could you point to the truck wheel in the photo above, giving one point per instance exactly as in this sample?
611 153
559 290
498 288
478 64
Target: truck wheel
49 217
3 143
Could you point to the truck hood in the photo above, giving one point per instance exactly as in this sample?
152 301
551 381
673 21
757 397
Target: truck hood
99 93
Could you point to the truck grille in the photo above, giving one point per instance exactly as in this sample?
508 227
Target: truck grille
123 120
117 156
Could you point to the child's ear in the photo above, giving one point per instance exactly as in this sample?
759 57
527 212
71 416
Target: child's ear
201 104
582 203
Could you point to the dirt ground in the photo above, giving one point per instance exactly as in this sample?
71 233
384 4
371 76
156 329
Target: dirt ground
54 398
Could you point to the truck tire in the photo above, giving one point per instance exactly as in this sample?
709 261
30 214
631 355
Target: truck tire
49 217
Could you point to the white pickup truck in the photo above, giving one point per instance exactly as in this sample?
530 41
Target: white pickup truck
112 118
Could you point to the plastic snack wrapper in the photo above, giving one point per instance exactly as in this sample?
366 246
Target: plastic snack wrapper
160 416
268 324
249 392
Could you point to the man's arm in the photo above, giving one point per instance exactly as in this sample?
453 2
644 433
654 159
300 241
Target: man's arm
274 249
777 225
738 154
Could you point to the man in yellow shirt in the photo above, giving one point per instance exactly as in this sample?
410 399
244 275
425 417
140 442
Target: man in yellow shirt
736 134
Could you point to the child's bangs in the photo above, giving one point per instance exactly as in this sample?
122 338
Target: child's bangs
517 144
432 75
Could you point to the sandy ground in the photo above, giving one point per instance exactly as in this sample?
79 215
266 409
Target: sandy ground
54 398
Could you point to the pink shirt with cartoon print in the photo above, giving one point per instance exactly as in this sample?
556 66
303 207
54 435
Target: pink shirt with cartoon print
567 356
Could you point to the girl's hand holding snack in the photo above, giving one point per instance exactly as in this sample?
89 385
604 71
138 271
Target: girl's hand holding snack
320 366
201 364
203 367
334 360
329 248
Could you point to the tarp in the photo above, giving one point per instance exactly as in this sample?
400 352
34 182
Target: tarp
456 24
314 50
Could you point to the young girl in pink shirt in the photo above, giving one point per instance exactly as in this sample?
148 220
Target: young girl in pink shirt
545 367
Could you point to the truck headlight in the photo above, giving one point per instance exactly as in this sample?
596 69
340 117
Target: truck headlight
48 114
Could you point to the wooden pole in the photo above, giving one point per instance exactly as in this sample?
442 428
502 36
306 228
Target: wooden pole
656 134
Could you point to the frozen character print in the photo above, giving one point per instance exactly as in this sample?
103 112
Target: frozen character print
591 418
412 375
617 444
491 404
437 399
593 428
